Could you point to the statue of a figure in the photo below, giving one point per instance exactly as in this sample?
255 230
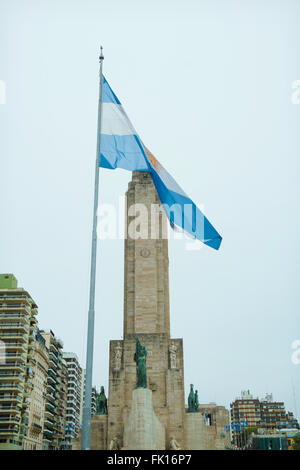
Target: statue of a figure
174 444
172 351
117 357
101 403
114 444
140 359
191 399
196 400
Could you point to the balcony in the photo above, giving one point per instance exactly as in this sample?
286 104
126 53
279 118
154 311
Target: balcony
53 356
14 306
15 334
50 406
9 375
16 356
12 365
37 427
52 372
15 296
9 409
14 326
10 386
5 316
8 431
10 397
51 397
9 419
53 347
48 422
15 345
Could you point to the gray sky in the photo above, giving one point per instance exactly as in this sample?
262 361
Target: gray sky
207 84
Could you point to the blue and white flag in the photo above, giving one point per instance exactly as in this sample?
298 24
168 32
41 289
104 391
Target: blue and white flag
120 144
121 147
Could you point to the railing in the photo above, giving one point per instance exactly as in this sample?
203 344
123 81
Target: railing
13 364
13 354
8 431
11 385
15 326
8 334
10 396
15 345
13 315
10 419
15 306
9 407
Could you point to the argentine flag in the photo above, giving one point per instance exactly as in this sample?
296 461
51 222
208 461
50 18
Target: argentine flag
121 147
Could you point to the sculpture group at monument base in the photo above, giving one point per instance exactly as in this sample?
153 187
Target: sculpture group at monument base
204 430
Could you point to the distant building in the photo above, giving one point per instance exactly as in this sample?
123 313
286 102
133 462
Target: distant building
38 384
271 413
266 415
73 398
244 411
292 422
56 399
17 325
93 401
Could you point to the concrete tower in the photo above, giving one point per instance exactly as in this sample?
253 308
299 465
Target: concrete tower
146 314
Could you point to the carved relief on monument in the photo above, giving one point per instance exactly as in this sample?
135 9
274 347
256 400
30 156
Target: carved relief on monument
114 444
174 444
117 360
172 351
145 253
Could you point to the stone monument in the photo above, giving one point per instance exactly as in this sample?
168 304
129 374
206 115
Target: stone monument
146 315
146 407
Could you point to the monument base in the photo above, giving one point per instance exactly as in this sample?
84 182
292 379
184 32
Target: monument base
98 434
143 430
211 436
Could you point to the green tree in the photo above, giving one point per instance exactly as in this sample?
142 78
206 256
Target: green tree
296 443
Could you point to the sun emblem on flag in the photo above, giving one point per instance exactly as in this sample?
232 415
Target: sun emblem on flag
155 163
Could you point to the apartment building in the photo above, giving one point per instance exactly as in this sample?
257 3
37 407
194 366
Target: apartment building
245 409
17 325
73 398
56 397
35 429
271 413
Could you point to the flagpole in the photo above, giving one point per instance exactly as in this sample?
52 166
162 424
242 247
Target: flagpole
86 421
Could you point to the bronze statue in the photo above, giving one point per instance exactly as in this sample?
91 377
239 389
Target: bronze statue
193 401
101 403
140 359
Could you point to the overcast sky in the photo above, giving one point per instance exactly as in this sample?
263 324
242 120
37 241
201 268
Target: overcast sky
208 85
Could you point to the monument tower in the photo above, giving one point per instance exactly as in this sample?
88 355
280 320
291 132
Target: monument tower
149 412
146 315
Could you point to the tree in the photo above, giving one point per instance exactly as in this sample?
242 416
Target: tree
296 443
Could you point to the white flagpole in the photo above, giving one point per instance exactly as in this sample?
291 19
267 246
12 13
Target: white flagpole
86 422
